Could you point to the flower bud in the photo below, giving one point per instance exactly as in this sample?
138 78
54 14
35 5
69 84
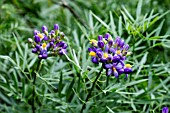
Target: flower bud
127 70
30 40
117 41
101 44
36 32
100 37
126 47
64 46
44 56
62 35
45 38
120 71
95 60
121 44
52 33
110 42
56 27
107 35
34 50
62 51
99 54
37 39
44 29
116 58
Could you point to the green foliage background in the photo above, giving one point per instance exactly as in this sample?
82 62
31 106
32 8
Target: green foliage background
63 83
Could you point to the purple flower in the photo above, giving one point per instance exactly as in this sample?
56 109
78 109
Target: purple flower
116 58
62 51
95 60
117 41
43 56
100 37
101 44
37 39
36 32
126 47
114 69
110 42
64 46
121 43
48 44
44 29
107 35
165 110
111 53
56 27
34 50
100 41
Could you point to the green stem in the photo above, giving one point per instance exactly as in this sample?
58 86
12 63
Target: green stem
89 94
107 81
34 80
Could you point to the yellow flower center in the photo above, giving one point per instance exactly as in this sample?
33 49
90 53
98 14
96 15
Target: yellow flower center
44 45
105 55
93 41
110 38
105 41
114 69
128 66
92 53
118 52
40 35
115 45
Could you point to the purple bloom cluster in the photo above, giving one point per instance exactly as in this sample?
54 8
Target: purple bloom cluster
165 110
48 43
111 53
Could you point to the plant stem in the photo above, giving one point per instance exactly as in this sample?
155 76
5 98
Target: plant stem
77 17
34 80
107 81
89 94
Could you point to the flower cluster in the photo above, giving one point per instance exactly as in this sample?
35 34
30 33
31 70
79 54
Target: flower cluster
111 53
48 43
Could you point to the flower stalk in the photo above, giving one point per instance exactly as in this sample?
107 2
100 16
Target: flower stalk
46 43
34 80
89 94
112 54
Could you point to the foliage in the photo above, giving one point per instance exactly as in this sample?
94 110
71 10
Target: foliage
63 83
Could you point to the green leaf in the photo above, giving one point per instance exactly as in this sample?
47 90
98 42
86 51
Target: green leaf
8 58
128 14
113 26
134 83
142 62
5 98
60 86
69 91
109 109
18 45
138 10
101 21
120 31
